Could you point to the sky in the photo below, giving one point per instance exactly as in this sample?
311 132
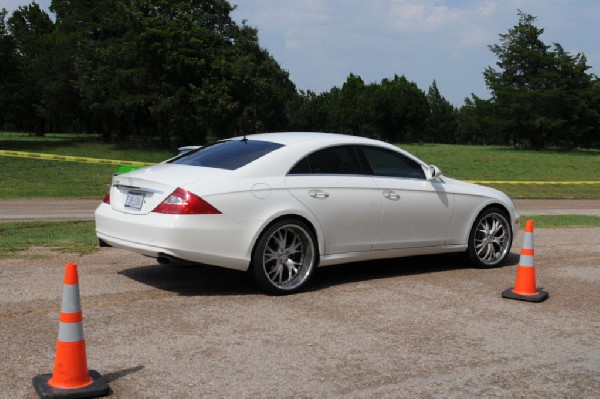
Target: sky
320 42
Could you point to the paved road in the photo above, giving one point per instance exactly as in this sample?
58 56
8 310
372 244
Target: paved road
83 209
47 209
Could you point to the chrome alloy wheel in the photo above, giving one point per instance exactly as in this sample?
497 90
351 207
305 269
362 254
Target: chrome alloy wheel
492 239
285 257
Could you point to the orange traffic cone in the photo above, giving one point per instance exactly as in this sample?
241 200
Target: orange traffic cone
525 288
71 378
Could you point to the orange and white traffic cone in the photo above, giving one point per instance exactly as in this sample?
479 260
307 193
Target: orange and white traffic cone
71 378
525 288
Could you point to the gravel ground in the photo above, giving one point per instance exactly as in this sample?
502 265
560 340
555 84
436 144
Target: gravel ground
410 328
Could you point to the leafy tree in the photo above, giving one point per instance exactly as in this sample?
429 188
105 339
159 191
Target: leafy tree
539 95
350 112
312 112
401 109
181 71
8 70
440 126
178 72
31 28
393 110
477 124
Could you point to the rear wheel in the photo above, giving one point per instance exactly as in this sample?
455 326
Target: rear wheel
284 257
490 238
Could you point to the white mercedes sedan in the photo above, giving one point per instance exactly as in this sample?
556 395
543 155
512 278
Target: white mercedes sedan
281 204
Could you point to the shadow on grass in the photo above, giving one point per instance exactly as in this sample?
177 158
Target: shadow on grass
202 280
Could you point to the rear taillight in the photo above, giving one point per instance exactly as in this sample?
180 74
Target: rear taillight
182 202
106 199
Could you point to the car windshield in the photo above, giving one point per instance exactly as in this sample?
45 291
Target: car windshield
231 154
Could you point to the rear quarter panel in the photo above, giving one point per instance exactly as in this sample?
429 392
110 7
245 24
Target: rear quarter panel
261 200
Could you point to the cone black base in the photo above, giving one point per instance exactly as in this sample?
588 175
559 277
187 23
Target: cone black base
96 389
539 297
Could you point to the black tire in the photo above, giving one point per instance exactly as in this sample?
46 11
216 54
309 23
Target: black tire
285 257
490 239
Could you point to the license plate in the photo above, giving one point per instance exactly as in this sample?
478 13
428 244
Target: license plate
134 201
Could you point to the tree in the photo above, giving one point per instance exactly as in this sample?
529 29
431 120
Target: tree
539 95
181 71
440 126
350 112
393 110
314 113
31 28
8 69
400 110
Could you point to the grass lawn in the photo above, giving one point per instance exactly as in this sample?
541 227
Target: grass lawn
31 178
22 178
76 237
502 163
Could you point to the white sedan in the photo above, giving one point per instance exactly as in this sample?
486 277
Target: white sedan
281 204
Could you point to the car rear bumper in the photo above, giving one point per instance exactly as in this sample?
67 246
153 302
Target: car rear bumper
210 239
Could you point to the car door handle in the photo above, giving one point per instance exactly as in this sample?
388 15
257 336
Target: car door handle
391 195
318 194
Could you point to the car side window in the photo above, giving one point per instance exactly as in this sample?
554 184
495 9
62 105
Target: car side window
388 163
338 160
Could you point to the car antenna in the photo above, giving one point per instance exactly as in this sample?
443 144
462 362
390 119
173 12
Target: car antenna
245 139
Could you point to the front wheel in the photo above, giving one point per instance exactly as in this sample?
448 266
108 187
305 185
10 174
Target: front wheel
284 257
490 238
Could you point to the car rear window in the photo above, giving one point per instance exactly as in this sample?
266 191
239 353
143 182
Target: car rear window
231 154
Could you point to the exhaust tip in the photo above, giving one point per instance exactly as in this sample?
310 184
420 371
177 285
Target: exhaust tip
164 260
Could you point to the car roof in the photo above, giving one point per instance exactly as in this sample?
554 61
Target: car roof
297 144
289 138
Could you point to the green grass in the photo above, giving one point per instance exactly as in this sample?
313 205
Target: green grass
502 163
22 178
76 237
28 178
561 221
85 145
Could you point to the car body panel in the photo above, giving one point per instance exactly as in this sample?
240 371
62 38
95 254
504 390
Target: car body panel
404 224
348 209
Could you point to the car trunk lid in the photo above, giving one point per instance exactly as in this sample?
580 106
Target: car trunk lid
141 191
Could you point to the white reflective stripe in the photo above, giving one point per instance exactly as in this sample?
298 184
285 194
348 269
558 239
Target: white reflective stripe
528 241
526 260
70 299
70 332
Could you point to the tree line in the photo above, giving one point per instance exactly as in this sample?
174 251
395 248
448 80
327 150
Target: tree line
173 72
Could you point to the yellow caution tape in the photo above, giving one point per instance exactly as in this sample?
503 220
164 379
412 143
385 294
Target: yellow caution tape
67 158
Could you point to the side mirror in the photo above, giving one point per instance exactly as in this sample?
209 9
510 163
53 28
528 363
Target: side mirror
433 172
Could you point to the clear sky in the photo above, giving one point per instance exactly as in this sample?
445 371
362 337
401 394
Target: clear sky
320 42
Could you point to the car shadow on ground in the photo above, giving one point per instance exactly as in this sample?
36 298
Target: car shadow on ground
202 280
193 279
390 268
